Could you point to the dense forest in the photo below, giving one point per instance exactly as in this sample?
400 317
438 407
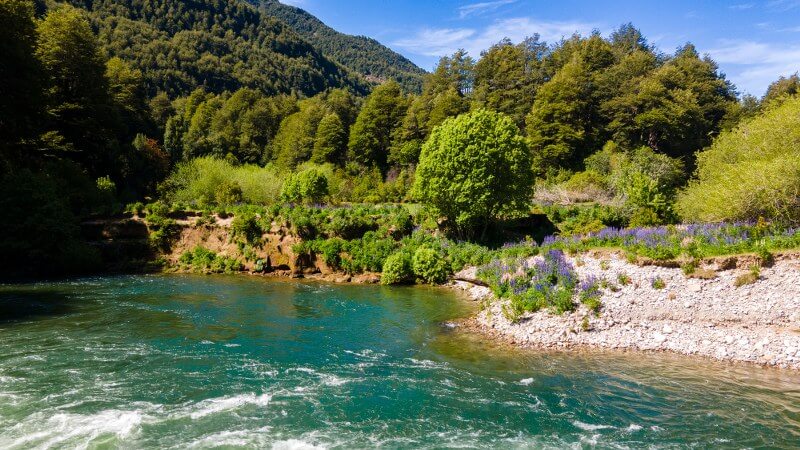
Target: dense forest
215 45
212 104
362 54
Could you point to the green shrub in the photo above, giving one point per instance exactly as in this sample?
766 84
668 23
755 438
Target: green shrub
750 172
246 226
766 257
136 209
331 250
690 267
429 266
348 223
645 217
163 230
650 203
203 260
751 277
587 186
308 186
397 269
107 196
576 220
198 181
228 193
369 253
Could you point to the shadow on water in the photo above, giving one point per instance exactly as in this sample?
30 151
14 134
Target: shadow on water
24 305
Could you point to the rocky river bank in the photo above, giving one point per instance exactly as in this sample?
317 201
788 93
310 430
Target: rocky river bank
709 317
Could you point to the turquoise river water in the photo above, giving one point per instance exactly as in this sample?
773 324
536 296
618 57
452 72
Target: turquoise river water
230 362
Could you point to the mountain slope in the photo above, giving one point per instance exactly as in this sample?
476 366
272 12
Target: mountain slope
361 54
181 45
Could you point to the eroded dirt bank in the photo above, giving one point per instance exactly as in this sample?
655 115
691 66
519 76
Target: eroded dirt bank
756 323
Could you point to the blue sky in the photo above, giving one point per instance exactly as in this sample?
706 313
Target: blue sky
754 42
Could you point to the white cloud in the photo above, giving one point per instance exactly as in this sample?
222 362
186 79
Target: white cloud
445 41
754 65
482 7
742 6
436 41
293 2
783 5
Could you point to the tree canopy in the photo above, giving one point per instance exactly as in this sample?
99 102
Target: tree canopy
474 169
750 172
361 54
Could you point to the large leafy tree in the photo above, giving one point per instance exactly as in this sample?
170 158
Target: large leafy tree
294 143
126 86
628 39
80 106
446 93
750 172
474 169
560 124
507 77
331 140
675 108
371 135
782 89
20 73
244 125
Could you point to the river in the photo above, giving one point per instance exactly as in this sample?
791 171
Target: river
232 361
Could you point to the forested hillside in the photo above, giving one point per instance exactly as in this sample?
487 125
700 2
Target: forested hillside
210 104
215 45
359 53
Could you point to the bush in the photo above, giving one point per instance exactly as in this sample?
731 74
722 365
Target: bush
397 269
107 196
198 182
589 294
586 186
369 253
136 209
246 226
750 172
751 277
650 203
308 186
429 266
201 259
473 169
228 193
577 220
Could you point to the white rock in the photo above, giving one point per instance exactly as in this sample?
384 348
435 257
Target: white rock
659 338
667 329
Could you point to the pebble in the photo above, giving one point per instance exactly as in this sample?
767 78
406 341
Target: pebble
758 323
